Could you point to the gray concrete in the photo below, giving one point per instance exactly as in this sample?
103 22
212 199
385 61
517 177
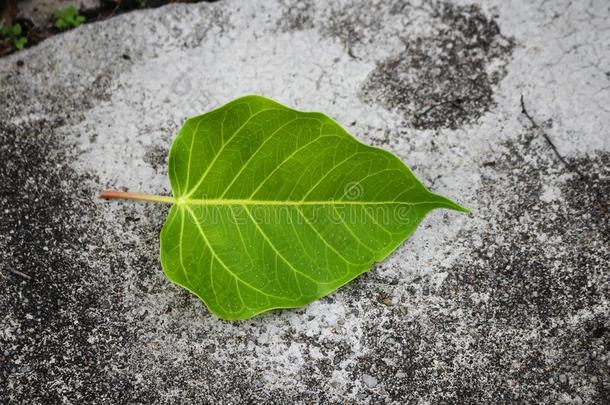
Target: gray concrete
509 304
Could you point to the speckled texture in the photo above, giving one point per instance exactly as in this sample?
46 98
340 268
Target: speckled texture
443 79
509 304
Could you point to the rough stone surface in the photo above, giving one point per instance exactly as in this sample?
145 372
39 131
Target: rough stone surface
509 304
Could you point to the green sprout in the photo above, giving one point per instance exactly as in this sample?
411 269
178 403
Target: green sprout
67 17
14 34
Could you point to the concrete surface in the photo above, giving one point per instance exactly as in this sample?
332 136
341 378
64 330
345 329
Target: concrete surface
507 305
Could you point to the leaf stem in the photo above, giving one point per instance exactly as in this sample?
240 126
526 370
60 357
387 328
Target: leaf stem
124 195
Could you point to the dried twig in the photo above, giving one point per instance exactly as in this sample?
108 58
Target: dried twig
20 274
601 200
548 140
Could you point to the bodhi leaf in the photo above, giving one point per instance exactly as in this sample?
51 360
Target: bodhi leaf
276 208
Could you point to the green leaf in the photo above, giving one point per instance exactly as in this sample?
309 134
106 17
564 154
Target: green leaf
70 11
21 43
276 208
68 17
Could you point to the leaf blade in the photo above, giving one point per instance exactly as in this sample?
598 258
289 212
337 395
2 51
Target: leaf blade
278 208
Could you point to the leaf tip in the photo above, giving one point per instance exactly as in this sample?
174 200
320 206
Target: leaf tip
459 208
443 202
463 209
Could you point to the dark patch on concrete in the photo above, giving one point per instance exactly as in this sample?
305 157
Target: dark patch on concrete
46 231
445 79
156 157
547 252
532 293
591 193
354 23
297 17
67 335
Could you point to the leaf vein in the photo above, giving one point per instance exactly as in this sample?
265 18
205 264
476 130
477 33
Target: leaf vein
244 165
222 263
324 240
286 160
277 252
219 153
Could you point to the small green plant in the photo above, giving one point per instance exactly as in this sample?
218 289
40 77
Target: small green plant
14 34
67 17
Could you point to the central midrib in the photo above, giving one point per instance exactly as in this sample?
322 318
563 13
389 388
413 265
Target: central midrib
194 201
